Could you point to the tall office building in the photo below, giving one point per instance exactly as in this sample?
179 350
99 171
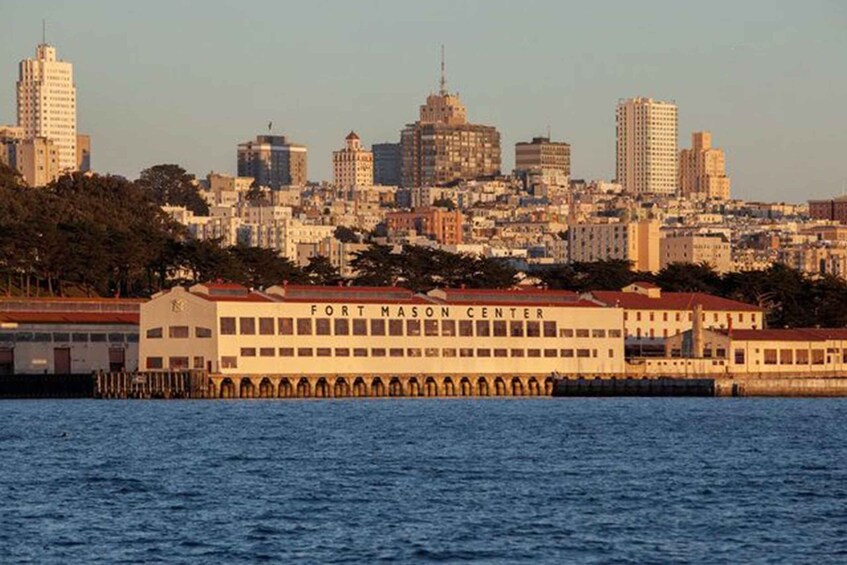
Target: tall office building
702 169
353 165
387 164
47 103
442 147
647 157
272 161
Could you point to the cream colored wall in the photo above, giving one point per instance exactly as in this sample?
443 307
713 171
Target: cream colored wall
754 356
713 319
159 312
177 308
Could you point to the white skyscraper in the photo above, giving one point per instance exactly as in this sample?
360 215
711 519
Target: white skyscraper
47 102
647 156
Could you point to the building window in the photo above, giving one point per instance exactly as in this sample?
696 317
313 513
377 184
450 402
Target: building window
432 352
516 328
286 352
500 328
583 353
395 327
598 333
360 352
550 353
360 326
227 326
342 352
324 352
615 333
817 356
413 327
565 332
395 352
378 352
202 333
465 328
304 326
770 356
229 362
483 328
248 351
178 363
154 363
566 353
448 328
739 356
582 333
247 326
413 352
267 352
285 326
178 332
377 327
549 329
465 352
483 353
152 333
322 326
499 352
533 353
786 356
199 362
517 352
448 352
802 356
342 326
430 328
533 329
304 352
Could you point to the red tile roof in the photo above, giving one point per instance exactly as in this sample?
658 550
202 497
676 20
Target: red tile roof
671 301
795 334
251 297
69 318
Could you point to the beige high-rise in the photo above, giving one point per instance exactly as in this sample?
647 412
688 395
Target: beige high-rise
47 103
353 165
702 169
647 157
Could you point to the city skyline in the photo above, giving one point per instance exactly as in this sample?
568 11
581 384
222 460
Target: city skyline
142 106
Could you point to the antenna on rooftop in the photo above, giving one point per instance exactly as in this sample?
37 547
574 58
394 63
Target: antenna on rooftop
443 77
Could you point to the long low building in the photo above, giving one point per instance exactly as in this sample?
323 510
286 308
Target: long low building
68 335
285 337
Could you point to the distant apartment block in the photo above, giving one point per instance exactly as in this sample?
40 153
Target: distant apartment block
647 157
226 190
353 166
834 209
444 226
549 160
702 170
637 242
38 160
272 161
387 164
712 249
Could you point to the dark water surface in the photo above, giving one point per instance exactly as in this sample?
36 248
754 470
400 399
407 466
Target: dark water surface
543 480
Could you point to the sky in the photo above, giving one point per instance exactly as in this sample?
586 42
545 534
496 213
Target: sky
184 82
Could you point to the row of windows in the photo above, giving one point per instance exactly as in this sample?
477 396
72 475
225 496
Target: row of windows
67 337
179 332
415 352
413 328
678 316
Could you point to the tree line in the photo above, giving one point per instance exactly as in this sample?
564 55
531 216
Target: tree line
107 236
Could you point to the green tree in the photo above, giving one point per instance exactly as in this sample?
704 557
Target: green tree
172 185
320 271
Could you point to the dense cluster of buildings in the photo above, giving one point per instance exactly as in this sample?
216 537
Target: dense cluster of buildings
441 184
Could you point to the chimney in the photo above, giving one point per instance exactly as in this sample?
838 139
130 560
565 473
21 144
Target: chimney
697 332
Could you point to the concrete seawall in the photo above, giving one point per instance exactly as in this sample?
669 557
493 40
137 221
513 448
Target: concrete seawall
783 387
